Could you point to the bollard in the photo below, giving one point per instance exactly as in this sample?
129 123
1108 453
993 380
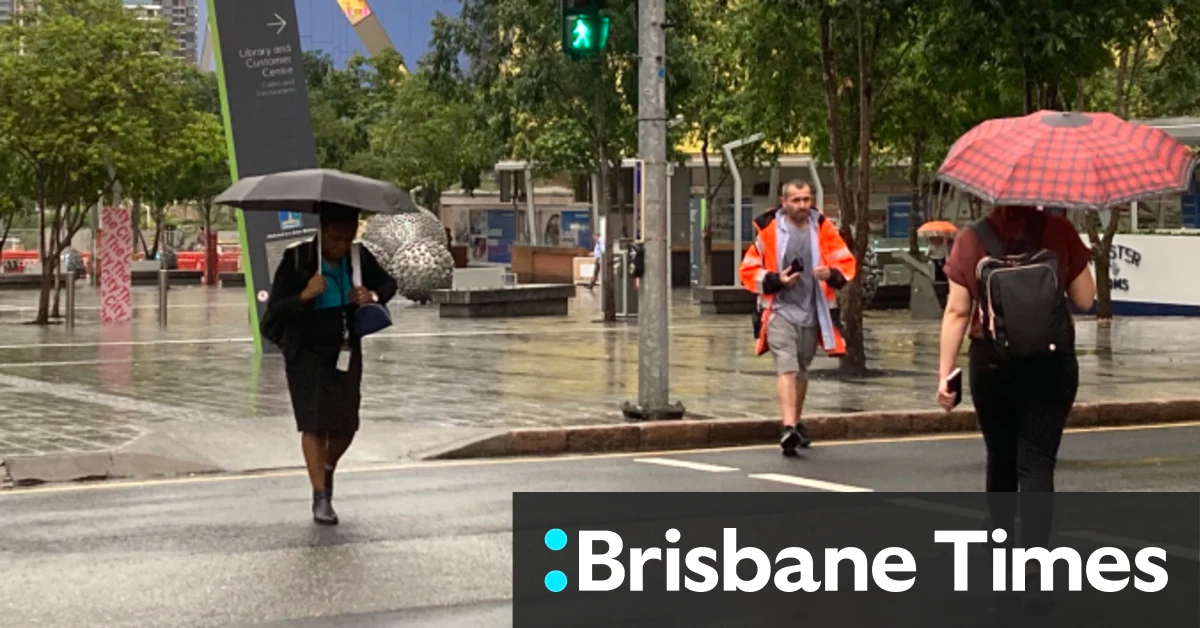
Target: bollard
164 279
71 300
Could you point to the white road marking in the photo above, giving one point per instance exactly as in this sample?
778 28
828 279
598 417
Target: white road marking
686 464
820 485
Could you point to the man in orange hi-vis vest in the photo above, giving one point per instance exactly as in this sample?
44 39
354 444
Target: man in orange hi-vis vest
796 264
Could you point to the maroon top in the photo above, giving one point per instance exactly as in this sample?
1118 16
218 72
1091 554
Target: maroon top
1009 222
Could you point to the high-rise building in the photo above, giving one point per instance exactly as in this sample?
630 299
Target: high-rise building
6 11
181 17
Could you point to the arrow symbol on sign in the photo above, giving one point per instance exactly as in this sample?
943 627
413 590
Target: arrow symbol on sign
282 24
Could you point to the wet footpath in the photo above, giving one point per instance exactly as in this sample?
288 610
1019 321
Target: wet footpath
197 391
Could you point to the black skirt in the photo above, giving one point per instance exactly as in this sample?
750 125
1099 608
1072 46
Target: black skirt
324 399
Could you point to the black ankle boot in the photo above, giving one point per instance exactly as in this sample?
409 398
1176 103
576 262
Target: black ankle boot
323 509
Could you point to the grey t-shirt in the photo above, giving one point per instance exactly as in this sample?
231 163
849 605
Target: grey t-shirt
797 304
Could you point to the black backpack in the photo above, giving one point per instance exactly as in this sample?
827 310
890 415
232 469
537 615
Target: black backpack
1022 302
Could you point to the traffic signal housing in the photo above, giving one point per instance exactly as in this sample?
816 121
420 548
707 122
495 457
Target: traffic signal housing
584 30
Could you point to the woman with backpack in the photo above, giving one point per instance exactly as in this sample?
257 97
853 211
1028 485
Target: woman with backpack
1023 370
1013 276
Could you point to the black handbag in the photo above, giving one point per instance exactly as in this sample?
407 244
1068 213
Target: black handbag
372 317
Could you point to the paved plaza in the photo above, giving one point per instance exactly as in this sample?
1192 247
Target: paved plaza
196 390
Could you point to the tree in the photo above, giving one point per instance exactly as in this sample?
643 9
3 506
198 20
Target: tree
714 102
345 103
578 117
14 191
936 96
849 53
83 83
1172 83
1060 54
424 139
204 171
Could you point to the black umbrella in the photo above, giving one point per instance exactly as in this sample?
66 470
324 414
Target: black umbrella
310 191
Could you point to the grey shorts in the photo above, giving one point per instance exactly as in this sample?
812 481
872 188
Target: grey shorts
792 346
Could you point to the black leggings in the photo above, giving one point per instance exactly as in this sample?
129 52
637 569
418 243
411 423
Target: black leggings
1022 409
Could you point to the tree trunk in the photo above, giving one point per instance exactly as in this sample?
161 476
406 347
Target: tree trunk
837 146
43 311
160 216
1101 254
57 310
4 234
851 214
1050 97
211 260
706 225
855 362
914 177
1122 75
1029 108
58 243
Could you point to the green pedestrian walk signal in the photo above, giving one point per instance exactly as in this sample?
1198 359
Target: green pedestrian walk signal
584 30
588 35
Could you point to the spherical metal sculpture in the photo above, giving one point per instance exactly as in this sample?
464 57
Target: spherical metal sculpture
412 249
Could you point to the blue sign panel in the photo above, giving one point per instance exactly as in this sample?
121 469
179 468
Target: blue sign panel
290 220
580 223
501 231
899 214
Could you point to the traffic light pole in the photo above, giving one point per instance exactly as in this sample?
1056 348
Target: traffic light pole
654 340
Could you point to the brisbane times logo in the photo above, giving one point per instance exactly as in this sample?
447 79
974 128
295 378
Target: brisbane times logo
606 565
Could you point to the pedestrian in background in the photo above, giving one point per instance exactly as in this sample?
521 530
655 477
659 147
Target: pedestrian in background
1012 276
598 259
796 263
311 311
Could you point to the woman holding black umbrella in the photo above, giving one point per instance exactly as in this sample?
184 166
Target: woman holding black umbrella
313 312
327 294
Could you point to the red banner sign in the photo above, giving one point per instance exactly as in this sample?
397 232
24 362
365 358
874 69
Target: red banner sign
116 278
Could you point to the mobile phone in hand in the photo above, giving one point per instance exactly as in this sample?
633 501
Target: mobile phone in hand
796 266
954 385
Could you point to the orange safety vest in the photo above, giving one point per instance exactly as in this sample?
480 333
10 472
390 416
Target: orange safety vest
760 269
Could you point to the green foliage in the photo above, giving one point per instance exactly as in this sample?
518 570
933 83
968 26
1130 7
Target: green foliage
425 139
86 86
344 104
83 87
373 119
536 102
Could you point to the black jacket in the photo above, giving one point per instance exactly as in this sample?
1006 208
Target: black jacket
291 324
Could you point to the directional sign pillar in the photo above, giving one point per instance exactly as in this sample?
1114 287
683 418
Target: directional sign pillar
268 128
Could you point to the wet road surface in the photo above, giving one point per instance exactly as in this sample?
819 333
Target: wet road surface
429 544
198 383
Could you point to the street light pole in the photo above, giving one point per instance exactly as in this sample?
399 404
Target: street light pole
728 149
654 341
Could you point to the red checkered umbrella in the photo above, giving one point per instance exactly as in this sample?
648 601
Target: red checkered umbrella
1057 159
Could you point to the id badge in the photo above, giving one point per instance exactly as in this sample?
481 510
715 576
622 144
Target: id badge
343 362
